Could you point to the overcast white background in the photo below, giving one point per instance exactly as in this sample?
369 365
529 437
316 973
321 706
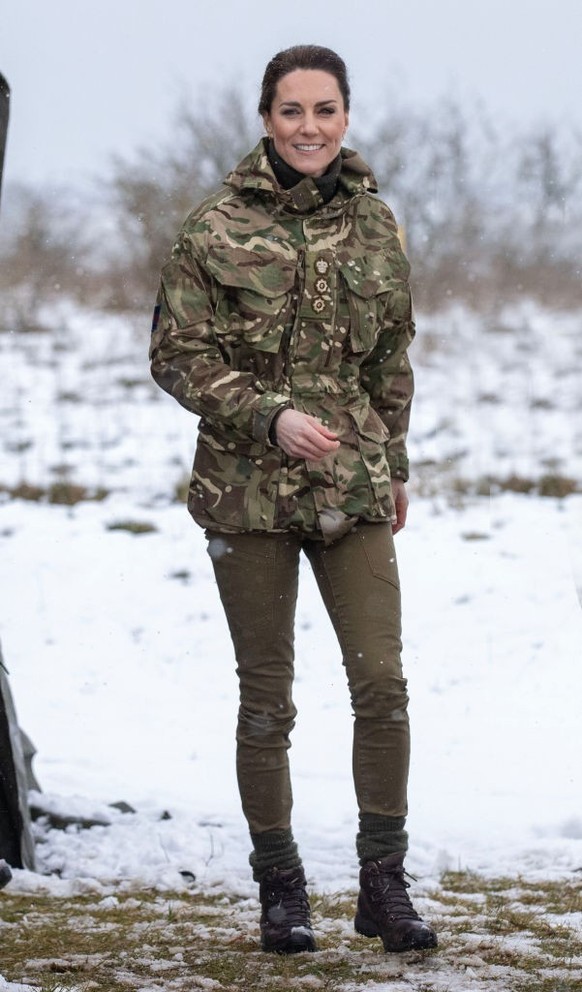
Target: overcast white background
94 77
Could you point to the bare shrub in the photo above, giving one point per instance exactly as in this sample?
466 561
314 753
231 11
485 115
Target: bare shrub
45 253
489 213
151 194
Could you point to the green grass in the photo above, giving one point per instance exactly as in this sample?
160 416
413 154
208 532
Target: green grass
133 526
61 493
502 934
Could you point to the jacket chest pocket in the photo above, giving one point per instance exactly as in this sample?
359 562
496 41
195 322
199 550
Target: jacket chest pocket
254 295
375 298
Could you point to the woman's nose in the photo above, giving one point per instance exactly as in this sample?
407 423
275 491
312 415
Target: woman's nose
309 124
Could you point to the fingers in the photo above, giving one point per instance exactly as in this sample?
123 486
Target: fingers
303 436
400 497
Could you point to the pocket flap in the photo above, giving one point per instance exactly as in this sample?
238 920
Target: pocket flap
368 276
369 424
264 274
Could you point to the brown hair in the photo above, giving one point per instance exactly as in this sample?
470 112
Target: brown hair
302 57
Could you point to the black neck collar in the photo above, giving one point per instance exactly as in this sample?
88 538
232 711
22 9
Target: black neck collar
288 177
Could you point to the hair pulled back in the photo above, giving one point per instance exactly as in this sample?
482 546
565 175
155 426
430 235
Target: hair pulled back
303 57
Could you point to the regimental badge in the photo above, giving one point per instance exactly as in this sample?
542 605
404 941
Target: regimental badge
322 266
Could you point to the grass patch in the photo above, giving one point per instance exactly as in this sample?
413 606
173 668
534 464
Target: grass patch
557 486
501 934
133 526
439 478
552 485
58 493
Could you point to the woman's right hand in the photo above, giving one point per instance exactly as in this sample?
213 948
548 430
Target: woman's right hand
303 436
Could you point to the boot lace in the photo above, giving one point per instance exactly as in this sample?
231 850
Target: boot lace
388 892
287 902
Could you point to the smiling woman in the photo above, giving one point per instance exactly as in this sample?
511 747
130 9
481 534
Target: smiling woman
283 321
307 120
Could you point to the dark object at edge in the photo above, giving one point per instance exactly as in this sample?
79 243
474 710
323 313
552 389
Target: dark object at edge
4 115
16 778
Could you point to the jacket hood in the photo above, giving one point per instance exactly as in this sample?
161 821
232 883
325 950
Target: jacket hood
254 172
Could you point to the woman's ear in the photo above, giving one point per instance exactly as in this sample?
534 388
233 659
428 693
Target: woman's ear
267 123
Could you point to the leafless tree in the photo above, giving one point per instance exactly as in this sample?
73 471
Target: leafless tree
45 252
488 212
150 194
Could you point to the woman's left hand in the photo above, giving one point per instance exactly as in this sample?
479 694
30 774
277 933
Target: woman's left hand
400 497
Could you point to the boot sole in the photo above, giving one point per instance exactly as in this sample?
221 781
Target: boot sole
418 942
295 943
290 947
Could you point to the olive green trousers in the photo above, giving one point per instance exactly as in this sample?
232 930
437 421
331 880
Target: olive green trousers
257 577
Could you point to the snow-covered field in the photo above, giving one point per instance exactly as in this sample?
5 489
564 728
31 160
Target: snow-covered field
122 669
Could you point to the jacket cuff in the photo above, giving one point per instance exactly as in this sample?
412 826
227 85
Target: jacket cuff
264 418
399 466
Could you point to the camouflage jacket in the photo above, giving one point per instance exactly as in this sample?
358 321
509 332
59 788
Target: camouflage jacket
274 299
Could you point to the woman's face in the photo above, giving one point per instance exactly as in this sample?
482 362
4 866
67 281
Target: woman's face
307 120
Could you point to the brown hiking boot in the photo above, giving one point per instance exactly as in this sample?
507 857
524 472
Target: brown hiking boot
385 910
285 916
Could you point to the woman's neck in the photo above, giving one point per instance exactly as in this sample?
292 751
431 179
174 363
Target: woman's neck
288 177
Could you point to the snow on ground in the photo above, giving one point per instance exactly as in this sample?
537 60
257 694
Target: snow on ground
122 669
